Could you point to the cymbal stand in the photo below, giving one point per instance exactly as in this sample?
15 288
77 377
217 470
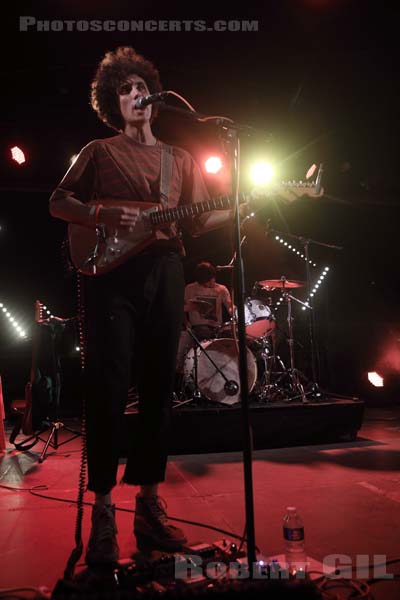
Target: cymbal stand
294 374
311 322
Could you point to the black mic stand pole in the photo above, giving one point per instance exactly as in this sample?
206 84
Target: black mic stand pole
231 136
229 131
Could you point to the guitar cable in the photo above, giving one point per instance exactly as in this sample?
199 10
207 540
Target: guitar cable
77 551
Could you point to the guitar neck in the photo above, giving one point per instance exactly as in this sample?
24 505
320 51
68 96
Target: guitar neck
288 191
170 215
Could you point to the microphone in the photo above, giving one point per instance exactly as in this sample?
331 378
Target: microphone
318 180
223 267
144 101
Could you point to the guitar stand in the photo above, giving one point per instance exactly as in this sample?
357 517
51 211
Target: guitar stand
52 369
56 426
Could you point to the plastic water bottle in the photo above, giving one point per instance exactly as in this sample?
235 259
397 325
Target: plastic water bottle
293 535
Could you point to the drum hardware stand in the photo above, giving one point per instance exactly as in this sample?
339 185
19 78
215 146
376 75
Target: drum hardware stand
294 374
269 389
305 242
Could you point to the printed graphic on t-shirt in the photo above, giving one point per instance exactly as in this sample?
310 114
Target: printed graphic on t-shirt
211 313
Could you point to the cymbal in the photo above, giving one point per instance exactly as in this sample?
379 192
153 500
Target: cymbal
281 283
201 306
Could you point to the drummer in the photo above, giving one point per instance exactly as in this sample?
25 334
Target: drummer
205 323
204 301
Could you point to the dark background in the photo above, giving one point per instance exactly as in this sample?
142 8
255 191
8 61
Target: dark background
319 76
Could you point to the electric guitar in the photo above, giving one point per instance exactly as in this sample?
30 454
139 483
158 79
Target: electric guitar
94 251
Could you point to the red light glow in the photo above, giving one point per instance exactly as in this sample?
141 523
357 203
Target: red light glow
375 379
17 155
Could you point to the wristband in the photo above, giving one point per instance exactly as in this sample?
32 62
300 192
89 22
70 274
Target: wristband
97 212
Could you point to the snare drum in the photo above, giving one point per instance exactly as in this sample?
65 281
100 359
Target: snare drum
224 354
258 318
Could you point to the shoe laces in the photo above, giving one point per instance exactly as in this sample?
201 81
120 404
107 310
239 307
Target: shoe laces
105 524
158 507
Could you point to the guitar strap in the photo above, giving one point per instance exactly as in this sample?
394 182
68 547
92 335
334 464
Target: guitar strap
167 160
165 174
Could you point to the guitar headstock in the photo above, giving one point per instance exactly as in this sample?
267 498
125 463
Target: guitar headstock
289 190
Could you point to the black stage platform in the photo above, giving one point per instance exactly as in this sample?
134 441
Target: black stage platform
197 430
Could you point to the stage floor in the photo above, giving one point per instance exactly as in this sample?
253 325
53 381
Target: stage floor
348 494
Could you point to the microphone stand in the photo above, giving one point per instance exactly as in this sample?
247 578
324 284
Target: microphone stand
305 242
229 132
233 138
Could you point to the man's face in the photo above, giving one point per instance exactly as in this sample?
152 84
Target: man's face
210 283
128 92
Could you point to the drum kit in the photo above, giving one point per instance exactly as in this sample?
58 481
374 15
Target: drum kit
210 369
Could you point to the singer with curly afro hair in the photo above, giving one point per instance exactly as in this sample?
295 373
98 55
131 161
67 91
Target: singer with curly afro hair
133 312
116 68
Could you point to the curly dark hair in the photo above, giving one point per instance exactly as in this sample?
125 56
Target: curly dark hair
115 68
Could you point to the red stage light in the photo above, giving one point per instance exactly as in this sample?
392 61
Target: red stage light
375 379
17 155
213 164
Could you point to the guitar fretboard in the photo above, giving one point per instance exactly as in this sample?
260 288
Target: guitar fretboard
189 210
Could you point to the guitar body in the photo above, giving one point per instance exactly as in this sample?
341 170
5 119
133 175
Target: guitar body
95 251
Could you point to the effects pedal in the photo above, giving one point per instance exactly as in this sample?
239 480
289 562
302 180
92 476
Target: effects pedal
228 550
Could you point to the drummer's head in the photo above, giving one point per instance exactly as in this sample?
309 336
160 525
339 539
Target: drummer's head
205 274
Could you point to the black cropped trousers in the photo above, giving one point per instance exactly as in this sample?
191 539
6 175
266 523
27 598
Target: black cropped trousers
133 317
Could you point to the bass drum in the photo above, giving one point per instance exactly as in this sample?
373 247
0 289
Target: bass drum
224 354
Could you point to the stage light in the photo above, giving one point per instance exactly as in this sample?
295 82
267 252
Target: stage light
213 165
17 155
293 249
77 349
376 379
13 321
262 173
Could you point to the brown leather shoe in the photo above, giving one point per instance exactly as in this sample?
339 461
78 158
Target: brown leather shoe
103 546
151 526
